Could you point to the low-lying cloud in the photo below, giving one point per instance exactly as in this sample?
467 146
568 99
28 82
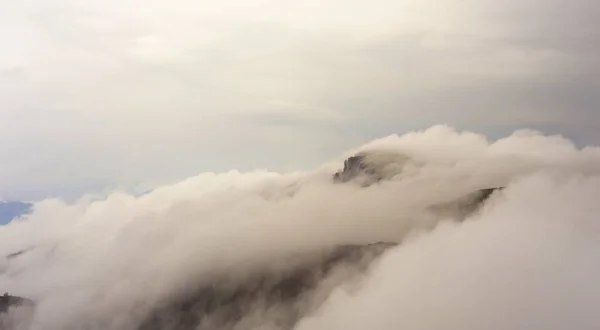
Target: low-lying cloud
527 260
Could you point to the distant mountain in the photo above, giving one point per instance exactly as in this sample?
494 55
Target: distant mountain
10 210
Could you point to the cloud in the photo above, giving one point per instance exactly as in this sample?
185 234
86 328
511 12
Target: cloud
527 261
99 261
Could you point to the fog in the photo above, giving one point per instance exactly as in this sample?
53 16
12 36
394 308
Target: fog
528 259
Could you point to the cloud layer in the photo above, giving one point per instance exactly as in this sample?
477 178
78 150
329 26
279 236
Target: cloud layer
527 260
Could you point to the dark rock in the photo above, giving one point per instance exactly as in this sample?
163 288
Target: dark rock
465 206
368 168
7 301
15 312
353 167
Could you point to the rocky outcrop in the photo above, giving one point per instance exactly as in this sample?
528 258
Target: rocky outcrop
15 312
464 206
368 168
353 167
7 301
371 167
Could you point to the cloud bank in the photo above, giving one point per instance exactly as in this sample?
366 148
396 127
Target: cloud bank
527 260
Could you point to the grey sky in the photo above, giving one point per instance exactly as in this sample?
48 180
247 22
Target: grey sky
107 93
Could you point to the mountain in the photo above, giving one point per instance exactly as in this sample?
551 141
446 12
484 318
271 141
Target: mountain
219 300
10 210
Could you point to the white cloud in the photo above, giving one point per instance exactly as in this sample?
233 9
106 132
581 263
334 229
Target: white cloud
530 258
526 262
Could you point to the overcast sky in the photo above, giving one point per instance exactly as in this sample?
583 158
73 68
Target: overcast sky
97 93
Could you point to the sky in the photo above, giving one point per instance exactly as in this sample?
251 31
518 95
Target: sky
130 93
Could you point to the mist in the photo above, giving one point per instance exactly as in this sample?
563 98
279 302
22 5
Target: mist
528 259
